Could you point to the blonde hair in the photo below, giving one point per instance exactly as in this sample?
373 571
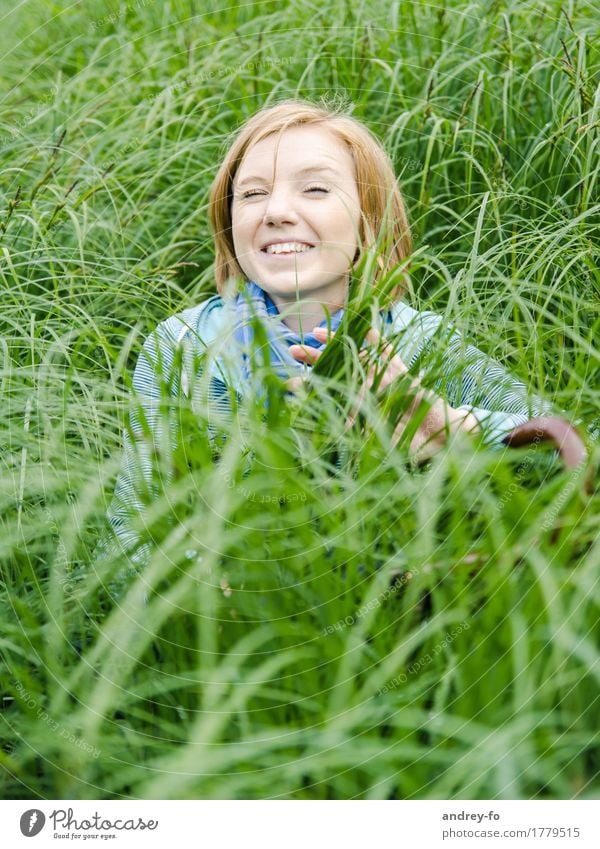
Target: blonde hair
383 216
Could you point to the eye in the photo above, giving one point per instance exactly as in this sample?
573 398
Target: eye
257 192
251 193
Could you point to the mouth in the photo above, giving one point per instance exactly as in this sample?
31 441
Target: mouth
287 248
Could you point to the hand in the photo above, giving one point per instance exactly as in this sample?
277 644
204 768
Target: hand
440 418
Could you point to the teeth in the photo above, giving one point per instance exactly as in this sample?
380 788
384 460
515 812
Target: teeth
287 248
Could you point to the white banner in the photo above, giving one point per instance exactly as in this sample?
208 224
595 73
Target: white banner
302 824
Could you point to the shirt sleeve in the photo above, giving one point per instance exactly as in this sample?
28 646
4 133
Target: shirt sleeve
147 441
499 402
467 378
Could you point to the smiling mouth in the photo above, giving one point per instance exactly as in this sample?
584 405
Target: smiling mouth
287 248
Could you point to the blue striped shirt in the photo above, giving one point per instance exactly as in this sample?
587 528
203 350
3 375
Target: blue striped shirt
468 379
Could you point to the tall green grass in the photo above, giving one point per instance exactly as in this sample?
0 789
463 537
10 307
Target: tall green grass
374 632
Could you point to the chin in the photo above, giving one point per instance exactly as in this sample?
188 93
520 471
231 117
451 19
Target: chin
294 287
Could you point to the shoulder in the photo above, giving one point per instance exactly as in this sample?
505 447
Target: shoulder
202 322
405 317
412 328
197 326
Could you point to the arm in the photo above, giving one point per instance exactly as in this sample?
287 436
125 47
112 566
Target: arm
166 370
156 379
473 383
478 385
477 393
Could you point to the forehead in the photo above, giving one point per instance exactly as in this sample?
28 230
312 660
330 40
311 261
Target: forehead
296 150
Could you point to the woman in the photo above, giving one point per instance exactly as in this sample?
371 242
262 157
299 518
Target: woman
301 197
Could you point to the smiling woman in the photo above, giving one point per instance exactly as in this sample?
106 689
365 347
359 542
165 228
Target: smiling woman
327 157
295 226
303 192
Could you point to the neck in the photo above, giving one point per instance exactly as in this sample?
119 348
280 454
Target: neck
303 315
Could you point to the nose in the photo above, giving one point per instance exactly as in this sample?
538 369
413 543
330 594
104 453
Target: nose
280 207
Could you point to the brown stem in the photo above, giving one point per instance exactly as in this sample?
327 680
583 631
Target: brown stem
550 429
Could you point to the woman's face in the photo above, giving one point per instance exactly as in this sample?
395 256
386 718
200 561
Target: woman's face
296 194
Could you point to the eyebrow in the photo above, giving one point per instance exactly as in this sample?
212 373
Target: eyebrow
310 169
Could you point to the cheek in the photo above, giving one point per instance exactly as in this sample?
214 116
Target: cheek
345 220
239 227
244 221
235 219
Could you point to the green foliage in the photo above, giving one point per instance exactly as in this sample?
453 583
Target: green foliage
317 619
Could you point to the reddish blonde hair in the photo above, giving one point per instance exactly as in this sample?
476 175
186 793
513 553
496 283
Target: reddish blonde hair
383 215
